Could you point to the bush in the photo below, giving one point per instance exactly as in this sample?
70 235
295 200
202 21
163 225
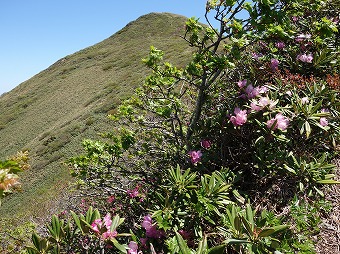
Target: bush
208 157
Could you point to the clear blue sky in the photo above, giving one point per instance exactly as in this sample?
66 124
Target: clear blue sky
37 33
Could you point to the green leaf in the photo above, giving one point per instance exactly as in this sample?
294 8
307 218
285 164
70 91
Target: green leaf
182 244
328 181
308 129
266 232
120 247
217 249
236 241
77 221
319 192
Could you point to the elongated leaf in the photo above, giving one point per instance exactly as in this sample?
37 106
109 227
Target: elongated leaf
182 244
202 245
308 129
280 228
328 181
266 232
236 241
120 247
217 249
77 221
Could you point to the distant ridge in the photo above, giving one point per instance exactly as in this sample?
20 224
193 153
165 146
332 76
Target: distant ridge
53 111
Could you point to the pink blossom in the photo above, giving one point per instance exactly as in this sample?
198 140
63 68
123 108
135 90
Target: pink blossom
110 199
133 248
255 107
242 83
195 156
304 100
302 37
107 221
280 45
240 117
251 91
274 64
305 58
263 89
109 234
295 18
151 230
133 193
323 121
256 56
281 122
262 103
95 224
205 143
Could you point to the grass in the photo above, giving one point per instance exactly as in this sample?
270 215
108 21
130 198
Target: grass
52 112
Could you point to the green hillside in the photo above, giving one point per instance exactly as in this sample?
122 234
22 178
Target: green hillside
52 112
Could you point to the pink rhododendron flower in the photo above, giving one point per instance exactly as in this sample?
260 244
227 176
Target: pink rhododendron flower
305 58
274 64
133 193
280 45
251 91
239 118
263 89
255 107
133 248
195 156
256 56
98 224
110 199
108 234
151 230
95 224
242 83
262 103
304 100
205 143
281 122
323 121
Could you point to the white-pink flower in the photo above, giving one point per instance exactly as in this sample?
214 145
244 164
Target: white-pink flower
195 156
304 100
133 248
242 83
323 121
251 91
239 118
305 58
281 122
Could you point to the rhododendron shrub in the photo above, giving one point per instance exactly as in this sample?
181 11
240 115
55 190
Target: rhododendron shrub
256 108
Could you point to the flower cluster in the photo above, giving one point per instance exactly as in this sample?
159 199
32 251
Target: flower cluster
239 118
151 230
103 228
195 156
279 122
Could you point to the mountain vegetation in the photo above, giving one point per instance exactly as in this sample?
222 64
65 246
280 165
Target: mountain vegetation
51 113
231 147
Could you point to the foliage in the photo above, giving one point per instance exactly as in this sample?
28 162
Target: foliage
9 170
199 147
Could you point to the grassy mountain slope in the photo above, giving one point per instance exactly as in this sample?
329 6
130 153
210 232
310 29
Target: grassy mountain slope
52 112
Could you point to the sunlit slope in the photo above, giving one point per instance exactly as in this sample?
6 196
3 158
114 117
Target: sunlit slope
52 112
